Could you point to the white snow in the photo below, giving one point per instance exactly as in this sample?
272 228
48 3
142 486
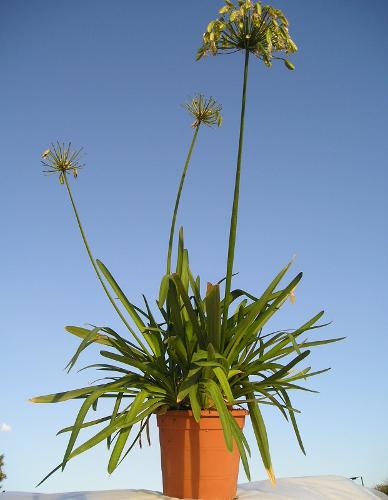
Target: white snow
298 488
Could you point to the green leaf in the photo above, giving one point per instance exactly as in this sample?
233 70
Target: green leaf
242 444
64 396
278 375
119 422
261 435
147 368
220 374
293 420
185 270
128 306
263 315
189 308
194 401
215 394
86 405
232 373
280 345
181 247
174 308
188 383
213 315
163 290
87 341
84 332
137 438
85 424
124 433
115 412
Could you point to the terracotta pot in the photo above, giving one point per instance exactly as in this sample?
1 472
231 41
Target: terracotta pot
195 460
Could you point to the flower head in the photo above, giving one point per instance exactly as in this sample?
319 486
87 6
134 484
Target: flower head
204 110
261 30
60 158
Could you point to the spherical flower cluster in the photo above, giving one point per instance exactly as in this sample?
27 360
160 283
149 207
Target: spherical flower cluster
61 159
205 110
261 30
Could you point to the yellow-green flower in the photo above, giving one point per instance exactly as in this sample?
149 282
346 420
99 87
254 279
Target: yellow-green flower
61 159
262 30
204 110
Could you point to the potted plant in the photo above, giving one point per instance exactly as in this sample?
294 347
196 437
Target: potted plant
199 367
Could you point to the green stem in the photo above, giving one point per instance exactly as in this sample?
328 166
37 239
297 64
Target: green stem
178 197
233 219
96 268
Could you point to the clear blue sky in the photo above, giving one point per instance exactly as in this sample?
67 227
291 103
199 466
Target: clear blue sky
111 76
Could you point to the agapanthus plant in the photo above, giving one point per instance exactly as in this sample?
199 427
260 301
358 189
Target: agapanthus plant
187 351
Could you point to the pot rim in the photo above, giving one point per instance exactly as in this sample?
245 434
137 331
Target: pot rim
204 413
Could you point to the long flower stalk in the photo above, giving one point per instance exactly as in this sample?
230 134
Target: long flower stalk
93 262
203 110
263 31
61 159
234 216
178 197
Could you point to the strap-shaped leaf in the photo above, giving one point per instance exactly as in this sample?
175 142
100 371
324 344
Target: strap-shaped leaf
85 424
305 376
86 405
279 374
215 394
147 368
188 383
213 315
155 327
293 420
274 401
86 342
152 405
287 350
242 444
125 346
180 350
195 403
185 270
137 438
64 396
259 304
124 433
262 317
128 306
261 436
241 329
113 417
163 290
174 308
189 308
181 247
296 333
83 332
220 374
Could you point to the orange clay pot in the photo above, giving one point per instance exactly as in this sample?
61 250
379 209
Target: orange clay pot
195 461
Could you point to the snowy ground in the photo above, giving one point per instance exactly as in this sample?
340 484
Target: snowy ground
297 488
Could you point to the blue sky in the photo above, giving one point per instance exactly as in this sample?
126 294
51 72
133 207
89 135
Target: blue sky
111 77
